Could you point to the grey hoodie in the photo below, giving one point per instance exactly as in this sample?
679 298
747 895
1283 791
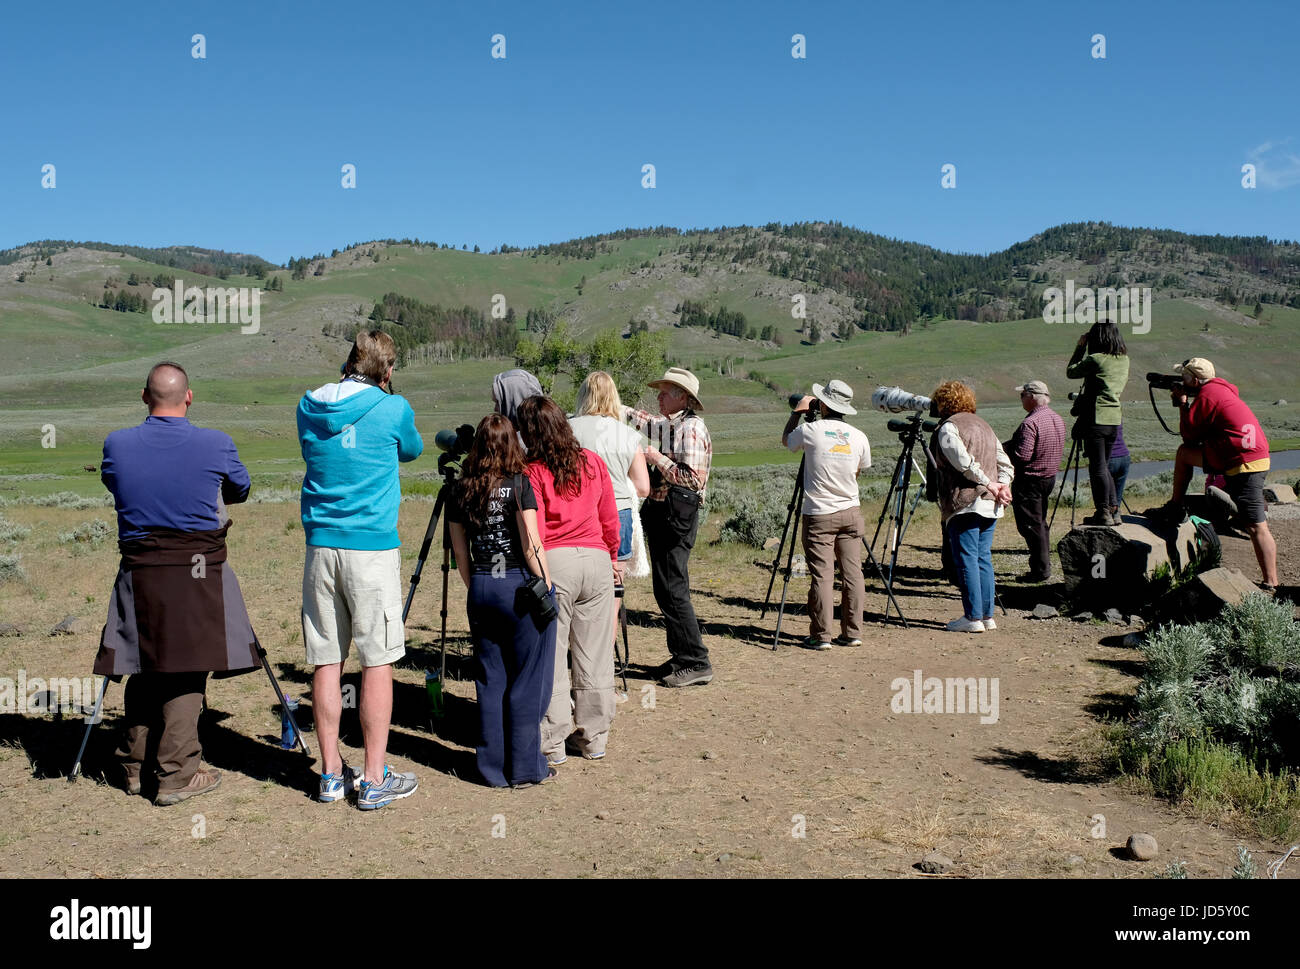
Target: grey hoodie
512 388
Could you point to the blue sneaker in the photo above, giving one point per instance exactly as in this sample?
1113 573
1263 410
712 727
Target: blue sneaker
393 787
335 787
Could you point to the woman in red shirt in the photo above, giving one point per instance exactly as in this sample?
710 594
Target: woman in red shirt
578 522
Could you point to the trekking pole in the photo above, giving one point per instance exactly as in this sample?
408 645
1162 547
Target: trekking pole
90 725
284 706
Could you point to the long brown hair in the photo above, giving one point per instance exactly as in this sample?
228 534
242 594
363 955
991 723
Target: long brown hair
494 456
550 441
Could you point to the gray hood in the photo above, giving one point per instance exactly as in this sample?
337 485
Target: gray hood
512 388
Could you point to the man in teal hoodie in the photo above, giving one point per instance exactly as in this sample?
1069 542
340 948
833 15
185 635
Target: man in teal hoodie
353 434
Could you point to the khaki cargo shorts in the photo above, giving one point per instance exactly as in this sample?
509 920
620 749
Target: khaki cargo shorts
352 595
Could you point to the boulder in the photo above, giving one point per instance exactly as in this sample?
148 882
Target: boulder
1110 564
935 864
1204 596
70 626
9 629
1142 847
1279 494
1044 611
771 544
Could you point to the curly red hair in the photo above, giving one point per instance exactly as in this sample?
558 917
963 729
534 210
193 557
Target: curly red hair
953 397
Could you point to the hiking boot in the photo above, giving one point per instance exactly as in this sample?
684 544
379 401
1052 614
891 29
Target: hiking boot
813 642
1034 577
205 779
689 676
847 641
393 787
1170 513
131 783
964 625
1098 518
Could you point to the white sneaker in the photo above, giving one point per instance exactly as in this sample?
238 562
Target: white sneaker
989 625
964 625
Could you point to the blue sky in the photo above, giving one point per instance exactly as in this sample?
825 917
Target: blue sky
242 150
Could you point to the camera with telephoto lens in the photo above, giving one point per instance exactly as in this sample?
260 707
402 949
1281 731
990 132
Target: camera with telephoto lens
1169 381
896 400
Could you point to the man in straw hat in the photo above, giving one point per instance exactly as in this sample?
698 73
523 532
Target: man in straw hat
679 457
833 529
1222 435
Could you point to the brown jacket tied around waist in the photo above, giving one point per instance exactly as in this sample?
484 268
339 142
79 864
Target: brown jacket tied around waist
176 608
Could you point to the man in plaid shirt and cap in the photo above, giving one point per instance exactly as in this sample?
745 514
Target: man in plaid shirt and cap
1035 451
679 458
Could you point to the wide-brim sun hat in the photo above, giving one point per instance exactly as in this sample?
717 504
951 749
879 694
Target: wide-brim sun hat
687 381
837 395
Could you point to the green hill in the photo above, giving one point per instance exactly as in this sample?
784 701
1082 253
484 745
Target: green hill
879 311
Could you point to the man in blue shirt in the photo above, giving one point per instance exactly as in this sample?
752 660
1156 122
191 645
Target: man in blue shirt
176 613
353 434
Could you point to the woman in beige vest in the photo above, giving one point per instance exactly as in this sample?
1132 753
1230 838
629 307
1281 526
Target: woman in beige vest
974 487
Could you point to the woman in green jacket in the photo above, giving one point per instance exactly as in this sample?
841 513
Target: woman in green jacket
1101 360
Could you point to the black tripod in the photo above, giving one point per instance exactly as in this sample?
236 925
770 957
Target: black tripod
909 433
795 500
1075 458
448 471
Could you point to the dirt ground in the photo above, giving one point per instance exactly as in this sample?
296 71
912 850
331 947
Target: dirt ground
791 763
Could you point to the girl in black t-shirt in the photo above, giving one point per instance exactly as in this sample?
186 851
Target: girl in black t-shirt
493 523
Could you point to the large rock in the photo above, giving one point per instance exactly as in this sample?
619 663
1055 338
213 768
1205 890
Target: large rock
1204 596
1142 847
1110 564
1279 494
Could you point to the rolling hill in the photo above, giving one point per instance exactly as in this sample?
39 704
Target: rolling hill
886 312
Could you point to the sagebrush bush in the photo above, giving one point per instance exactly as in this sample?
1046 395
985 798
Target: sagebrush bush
91 532
1177 652
11 568
12 531
1261 632
1218 714
67 499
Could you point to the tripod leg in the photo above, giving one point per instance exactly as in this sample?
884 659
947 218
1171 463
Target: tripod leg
893 486
425 545
785 586
90 725
275 685
1065 476
789 516
1078 459
622 624
889 589
446 565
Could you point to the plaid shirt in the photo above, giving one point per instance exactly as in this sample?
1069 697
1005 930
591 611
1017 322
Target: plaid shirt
683 441
1038 443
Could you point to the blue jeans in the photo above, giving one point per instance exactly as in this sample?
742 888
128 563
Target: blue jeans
1119 471
624 534
971 538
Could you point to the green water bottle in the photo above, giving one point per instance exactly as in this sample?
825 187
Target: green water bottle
433 687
